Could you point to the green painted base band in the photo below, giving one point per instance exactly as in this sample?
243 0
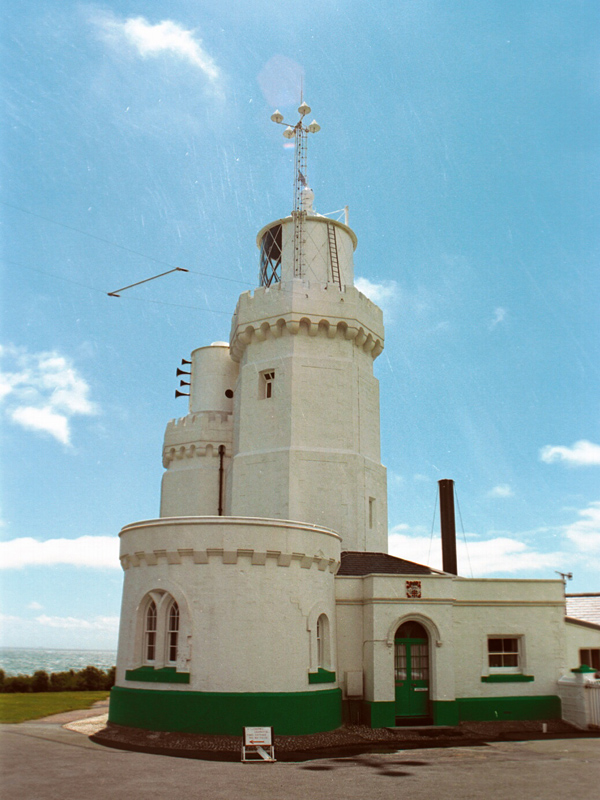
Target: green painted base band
289 713
151 675
379 714
445 712
469 709
583 669
484 709
516 678
322 676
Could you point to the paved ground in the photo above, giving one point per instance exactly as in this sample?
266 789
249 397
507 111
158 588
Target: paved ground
44 761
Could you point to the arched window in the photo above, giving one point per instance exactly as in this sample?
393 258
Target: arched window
150 632
323 657
172 633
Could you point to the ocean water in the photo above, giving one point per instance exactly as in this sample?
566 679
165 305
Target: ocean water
21 660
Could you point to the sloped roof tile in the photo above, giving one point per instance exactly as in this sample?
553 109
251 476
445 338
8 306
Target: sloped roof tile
359 563
585 606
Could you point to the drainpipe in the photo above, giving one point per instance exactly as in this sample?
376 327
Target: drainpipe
448 526
221 457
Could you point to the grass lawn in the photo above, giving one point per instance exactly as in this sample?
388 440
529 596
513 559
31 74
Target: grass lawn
21 707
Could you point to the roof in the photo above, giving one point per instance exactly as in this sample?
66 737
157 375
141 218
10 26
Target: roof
359 563
585 607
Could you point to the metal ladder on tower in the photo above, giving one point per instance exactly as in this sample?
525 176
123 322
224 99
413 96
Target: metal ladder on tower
333 255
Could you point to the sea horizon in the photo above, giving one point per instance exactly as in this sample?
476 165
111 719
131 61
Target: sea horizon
27 660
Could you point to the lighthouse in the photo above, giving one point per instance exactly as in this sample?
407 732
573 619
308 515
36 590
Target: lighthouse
228 612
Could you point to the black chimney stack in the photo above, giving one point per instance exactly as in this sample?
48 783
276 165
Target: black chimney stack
448 526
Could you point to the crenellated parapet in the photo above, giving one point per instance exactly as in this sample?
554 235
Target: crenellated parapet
298 307
197 435
222 541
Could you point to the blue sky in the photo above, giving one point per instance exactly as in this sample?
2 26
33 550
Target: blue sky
463 136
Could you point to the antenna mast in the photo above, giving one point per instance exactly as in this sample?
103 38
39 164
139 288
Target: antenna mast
298 132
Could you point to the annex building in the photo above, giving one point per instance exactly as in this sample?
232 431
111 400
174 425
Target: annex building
263 595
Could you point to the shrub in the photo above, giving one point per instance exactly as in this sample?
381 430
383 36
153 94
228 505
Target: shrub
40 681
85 680
90 679
18 683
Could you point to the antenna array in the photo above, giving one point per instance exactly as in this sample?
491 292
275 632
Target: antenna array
298 132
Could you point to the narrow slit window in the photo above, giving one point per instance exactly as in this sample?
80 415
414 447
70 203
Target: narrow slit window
371 512
173 633
150 632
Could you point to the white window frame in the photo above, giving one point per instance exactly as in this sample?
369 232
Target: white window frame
162 633
505 670
323 638
172 633
150 634
266 384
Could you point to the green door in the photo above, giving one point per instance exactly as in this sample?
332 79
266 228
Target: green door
412 677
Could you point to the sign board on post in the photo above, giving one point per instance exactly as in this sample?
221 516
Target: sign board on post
257 745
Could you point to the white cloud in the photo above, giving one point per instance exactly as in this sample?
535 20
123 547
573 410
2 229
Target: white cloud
581 454
584 533
35 606
501 554
74 623
150 40
383 293
499 316
86 551
42 419
43 391
501 490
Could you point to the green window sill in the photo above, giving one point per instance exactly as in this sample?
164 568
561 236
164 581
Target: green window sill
151 675
322 676
514 678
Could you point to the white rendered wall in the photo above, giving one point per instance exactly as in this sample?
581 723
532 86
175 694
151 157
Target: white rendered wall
250 592
459 615
190 486
310 452
579 637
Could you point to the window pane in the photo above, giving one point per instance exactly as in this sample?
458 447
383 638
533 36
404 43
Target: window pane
495 660
151 646
419 662
510 645
495 645
173 646
150 632
174 618
400 662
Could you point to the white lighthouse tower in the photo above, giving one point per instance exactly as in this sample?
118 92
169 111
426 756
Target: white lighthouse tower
228 615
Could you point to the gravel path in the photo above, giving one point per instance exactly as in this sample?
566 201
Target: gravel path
351 738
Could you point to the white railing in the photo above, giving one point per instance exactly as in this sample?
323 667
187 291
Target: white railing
592 691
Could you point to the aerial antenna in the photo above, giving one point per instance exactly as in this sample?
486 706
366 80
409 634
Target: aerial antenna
566 576
153 278
298 132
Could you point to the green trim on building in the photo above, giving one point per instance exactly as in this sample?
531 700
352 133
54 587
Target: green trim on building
151 675
322 676
445 712
583 669
379 714
483 709
514 678
480 709
289 713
